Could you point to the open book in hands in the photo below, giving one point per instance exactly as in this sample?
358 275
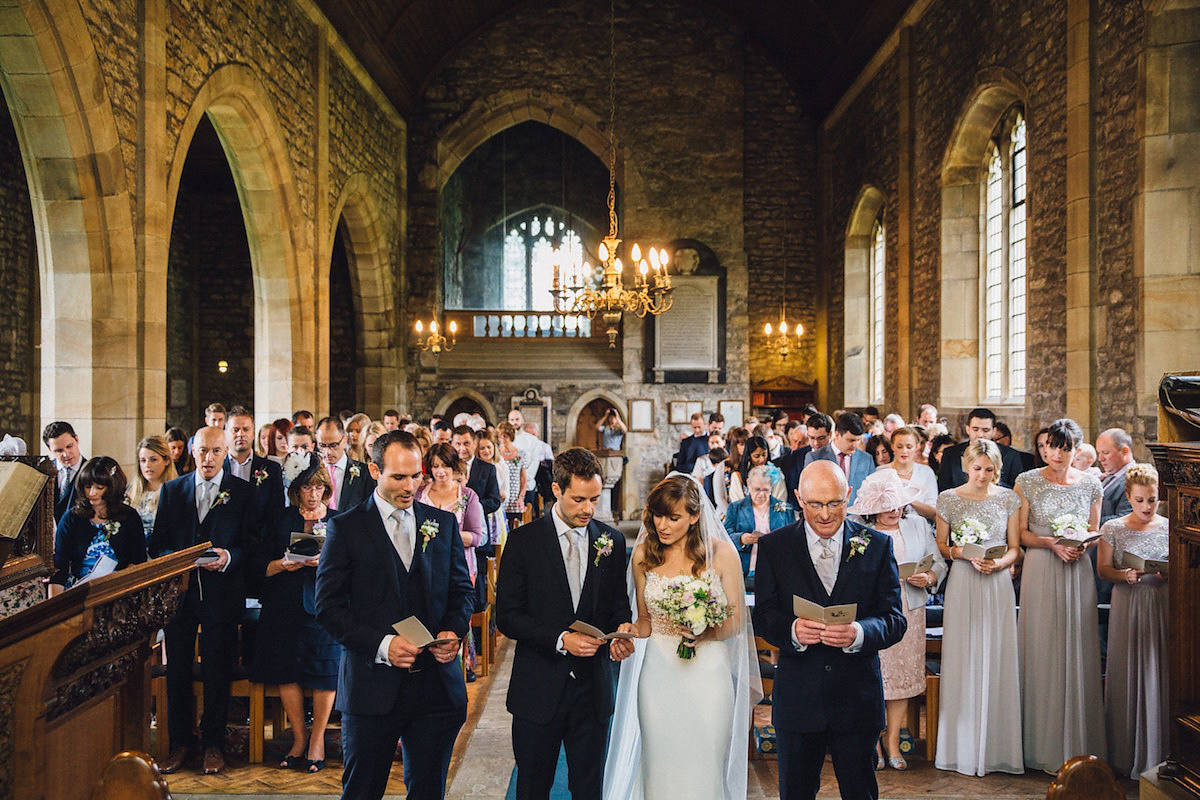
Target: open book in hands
1076 541
304 546
985 550
416 634
1148 565
910 568
582 627
830 615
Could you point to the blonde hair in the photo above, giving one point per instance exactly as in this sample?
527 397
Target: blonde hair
359 452
980 448
137 487
1140 475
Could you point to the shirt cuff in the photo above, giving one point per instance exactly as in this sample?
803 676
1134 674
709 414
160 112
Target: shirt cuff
800 648
228 561
381 654
559 646
857 644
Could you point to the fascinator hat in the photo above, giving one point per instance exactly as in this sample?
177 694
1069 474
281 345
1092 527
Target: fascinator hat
299 467
883 490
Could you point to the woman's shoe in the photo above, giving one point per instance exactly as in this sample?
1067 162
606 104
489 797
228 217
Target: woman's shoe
315 765
293 762
897 762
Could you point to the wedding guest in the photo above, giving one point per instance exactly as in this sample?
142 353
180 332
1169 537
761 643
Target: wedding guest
487 452
735 444
350 479
843 450
906 444
264 442
517 474
612 431
60 439
262 473
922 454
100 533
292 651
716 483
938 446
391 420
1040 442
979 728
869 416
704 466
442 432
757 454
981 424
800 445
880 450
540 470
692 447
1059 650
754 516
424 438
155 468
300 440
303 417
214 417
283 426
374 431
1002 435
882 503
177 442
891 423
1136 699
480 478
927 415
356 432
1085 460
1115 450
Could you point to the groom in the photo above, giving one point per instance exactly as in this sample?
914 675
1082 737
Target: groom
828 689
386 559
561 568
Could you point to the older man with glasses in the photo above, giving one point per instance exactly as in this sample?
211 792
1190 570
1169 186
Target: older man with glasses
828 693
351 480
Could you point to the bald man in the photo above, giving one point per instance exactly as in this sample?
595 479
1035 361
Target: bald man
211 505
828 692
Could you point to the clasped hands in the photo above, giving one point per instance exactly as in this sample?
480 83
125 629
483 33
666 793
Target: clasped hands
809 633
1068 553
584 646
402 653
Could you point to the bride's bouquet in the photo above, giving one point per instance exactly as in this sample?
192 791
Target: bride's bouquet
968 531
1069 525
696 604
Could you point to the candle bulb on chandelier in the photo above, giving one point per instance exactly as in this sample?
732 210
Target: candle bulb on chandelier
433 326
420 327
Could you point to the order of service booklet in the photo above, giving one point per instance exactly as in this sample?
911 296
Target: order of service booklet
991 550
830 615
1130 561
910 568
416 634
582 627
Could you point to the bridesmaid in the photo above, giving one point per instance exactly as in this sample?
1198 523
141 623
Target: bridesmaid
1058 628
906 446
292 650
99 526
979 726
882 502
155 467
1135 703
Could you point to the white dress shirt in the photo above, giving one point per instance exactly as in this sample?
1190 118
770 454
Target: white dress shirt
241 470
216 490
563 530
67 474
815 548
404 549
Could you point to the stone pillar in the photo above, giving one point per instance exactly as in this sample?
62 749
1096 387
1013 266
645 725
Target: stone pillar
613 467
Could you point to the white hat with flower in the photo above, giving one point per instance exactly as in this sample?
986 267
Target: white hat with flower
882 490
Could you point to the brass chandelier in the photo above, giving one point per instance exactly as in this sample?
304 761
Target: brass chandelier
575 291
435 341
777 339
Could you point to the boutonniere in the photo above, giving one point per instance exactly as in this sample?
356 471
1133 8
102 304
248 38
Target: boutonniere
319 529
858 544
603 545
355 471
222 499
429 529
259 476
110 528
782 507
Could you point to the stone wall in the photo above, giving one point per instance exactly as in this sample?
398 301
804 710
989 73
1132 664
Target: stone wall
19 279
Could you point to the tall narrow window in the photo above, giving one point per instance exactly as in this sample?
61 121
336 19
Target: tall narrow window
1003 297
876 273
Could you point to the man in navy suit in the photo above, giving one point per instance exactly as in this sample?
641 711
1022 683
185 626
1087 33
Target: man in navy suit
818 427
692 447
351 480
263 474
561 568
207 505
843 450
828 692
981 424
60 439
384 560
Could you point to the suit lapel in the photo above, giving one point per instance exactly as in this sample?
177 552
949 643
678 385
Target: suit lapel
808 570
558 565
189 497
420 515
591 581
844 563
378 534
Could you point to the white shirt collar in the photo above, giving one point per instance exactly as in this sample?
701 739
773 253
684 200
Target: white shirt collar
235 462
560 525
341 463
386 509
835 541
216 478
71 468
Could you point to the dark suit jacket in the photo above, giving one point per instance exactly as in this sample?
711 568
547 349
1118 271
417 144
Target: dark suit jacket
951 475
359 598
792 464
825 688
1114 503
482 481
354 488
266 478
533 606
75 534
213 596
63 504
690 449
861 465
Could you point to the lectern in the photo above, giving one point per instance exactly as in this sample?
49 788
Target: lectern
1177 457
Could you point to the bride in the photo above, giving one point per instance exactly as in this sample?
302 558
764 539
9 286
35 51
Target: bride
680 725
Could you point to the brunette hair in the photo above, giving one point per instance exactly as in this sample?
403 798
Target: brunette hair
104 472
575 462
1038 461
486 436
752 444
444 453
877 441
319 476
138 487
673 494
935 445
735 441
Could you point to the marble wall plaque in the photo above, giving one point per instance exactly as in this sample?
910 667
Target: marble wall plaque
686 336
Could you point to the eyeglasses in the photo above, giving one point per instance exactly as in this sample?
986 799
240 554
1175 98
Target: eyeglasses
329 445
832 505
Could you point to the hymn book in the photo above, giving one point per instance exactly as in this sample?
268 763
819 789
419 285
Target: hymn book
830 615
582 627
416 634
910 568
985 550
1072 541
1130 561
304 546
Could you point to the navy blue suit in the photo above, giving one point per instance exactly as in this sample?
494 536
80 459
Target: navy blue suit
65 499
216 600
792 464
363 588
266 478
353 488
823 696
690 449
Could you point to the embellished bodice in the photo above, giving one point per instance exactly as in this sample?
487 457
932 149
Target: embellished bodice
1152 543
1050 500
658 592
993 511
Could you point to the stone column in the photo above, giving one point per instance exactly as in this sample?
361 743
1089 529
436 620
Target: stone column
613 467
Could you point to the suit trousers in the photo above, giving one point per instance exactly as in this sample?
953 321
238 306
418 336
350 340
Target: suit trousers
574 726
802 755
218 654
423 721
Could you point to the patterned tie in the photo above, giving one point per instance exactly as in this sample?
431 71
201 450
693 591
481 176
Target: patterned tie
573 566
64 480
333 486
403 539
827 566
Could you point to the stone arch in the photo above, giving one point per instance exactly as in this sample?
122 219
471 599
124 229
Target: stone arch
856 332
368 247
449 397
996 91
83 223
581 403
489 116
254 144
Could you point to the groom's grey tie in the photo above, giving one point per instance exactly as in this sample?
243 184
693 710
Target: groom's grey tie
827 566
573 566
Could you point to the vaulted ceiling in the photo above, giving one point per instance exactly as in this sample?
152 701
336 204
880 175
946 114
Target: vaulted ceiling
820 45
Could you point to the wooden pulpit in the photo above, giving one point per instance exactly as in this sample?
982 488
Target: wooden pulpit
75 678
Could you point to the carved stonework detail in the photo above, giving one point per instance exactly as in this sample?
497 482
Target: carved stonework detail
71 695
124 622
10 683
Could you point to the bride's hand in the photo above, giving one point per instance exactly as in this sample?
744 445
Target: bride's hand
621 649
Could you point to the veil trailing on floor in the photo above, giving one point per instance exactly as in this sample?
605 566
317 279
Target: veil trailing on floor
623 765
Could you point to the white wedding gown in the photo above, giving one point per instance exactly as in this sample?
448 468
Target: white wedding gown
685 709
